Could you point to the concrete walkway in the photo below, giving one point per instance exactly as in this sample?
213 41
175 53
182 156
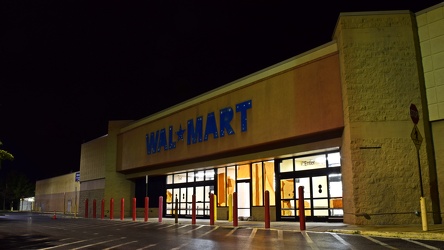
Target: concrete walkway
414 231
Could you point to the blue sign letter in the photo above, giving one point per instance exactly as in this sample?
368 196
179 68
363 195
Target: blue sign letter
151 142
242 108
194 135
162 141
226 115
210 127
171 142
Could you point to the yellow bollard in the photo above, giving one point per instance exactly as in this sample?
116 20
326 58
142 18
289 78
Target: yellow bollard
215 207
423 214
230 207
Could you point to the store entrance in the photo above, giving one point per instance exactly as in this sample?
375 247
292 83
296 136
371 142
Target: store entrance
322 186
180 189
184 198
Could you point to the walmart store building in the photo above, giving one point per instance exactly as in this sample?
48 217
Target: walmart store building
335 120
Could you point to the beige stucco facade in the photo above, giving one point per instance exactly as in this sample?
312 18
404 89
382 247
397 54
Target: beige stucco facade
58 194
381 77
278 115
431 36
352 94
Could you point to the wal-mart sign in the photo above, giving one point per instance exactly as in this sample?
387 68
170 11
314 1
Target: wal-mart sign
164 138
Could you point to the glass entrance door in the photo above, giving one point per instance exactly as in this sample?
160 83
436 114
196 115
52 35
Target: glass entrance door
243 198
318 197
182 186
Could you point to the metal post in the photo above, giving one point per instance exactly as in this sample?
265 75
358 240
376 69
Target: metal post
230 207
176 211
193 210
267 209
86 208
235 218
215 207
122 208
422 199
420 175
422 202
160 212
211 209
134 209
146 185
146 208
301 208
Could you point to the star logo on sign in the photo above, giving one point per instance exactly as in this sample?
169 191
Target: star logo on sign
180 133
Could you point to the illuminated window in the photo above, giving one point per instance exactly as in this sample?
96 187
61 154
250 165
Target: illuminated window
221 190
269 183
169 179
231 180
243 172
258 190
209 174
286 166
200 176
190 177
180 178
334 160
310 162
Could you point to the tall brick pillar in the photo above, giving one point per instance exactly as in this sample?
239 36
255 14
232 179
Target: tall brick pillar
116 184
380 77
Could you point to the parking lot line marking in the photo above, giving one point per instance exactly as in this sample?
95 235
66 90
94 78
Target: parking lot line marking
172 225
123 244
145 247
194 229
309 240
343 241
379 242
66 244
253 233
280 235
422 244
231 232
214 229
98 243
179 247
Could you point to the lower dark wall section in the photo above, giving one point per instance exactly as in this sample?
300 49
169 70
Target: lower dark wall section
156 188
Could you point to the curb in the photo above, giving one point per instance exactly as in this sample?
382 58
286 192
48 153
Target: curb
402 235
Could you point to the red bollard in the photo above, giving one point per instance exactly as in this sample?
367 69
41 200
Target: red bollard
94 208
134 209
111 209
122 208
86 208
146 208
211 209
301 208
267 209
102 208
235 219
160 208
193 210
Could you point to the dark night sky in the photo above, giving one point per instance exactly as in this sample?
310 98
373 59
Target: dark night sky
67 67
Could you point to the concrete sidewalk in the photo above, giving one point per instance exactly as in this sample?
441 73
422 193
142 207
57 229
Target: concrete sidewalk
414 231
